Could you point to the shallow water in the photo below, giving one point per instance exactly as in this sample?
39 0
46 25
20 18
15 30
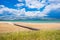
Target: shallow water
34 21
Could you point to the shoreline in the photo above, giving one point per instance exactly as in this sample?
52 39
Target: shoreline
10 27
27 22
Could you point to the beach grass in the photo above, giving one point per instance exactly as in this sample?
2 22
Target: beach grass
32 35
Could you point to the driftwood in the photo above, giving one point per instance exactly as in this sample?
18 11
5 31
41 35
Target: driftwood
26 27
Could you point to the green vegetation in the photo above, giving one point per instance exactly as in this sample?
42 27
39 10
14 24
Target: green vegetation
32 35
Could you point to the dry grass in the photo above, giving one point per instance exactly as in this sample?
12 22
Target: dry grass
32 35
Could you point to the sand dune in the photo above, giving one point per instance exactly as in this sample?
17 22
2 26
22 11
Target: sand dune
7 27
10 27
42 25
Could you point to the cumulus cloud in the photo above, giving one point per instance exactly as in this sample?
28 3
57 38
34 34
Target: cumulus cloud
19 5
5 11
34 4
10 10
22 13
20 0
54 1
1 6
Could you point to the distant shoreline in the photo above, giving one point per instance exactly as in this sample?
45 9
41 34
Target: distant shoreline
26 22
32 21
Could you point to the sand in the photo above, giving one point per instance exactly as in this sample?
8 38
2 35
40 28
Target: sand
10 27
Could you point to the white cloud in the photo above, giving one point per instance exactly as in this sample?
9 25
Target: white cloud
20 0
10 10
54 1
1 6
22 11
34 4
30 4
37 4
19 5
35 14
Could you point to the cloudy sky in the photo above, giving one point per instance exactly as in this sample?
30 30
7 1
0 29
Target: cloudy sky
29 9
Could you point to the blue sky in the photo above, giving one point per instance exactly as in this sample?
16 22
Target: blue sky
29 9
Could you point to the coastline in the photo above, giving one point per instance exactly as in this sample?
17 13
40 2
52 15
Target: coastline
25 22
10 27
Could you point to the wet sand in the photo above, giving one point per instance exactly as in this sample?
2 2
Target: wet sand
10 27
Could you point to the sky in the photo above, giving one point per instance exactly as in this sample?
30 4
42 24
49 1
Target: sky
29 9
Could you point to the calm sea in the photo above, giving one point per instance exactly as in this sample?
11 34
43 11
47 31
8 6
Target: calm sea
34 21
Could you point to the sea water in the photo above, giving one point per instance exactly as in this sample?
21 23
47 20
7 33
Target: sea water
33 21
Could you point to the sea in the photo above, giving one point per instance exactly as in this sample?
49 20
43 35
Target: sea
33 21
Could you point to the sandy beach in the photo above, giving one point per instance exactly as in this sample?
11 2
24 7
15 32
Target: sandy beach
10 27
